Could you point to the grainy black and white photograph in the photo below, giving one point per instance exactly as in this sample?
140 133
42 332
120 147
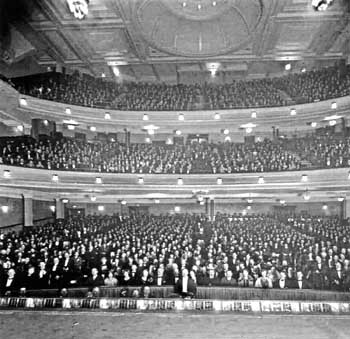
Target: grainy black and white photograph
174 169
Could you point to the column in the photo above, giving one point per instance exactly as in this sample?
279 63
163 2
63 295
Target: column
212 209
59 209
207 208
346 208
27 210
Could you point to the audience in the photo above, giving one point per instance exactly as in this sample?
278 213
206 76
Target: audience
262 251
84 90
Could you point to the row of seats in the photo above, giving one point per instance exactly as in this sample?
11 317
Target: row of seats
84 90
279 155
262 251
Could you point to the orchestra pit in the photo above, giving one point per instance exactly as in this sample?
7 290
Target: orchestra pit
175 169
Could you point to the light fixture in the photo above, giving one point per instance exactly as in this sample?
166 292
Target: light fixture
103 75
53 208
199 6
249 207
74 206
98 180
177 209
261 180
332 122
217 116
169 141
65 200
93 198
180 181
324 207
214 3
100 208
71 127
20 128
313 124
92 128
249 200
306 195
45 122
249 130
54 177
178 132
68 111
79 8
303 70
254 115
213 67
107 116
282 202
23 102
219 181
340 199
150 131
227 138
184 4
304 178
145 117
4 209
148 140
123 202
293 111
334 105
181 117
7 174
156 201
116 71
288 67
244 212
140 180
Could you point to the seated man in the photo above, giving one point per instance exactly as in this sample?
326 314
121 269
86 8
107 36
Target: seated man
185 286
228 279
95 280
10 284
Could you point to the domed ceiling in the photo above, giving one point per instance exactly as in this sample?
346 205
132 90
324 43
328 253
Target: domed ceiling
199 27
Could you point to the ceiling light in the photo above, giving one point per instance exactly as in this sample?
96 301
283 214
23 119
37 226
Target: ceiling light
7 174
68 111
244 212
53 208
79 8
93 198
178 132
71 127
55 177
181 117
217 116
248 125
332 122
288 67
23 102
184 4
282 202
249 200
20 128
254 115
180 181
340 199
261 180
313 124
324 207
145 117
334 105
156 201
249 207
248 130
219 181
228 138
92 128
199 6
148 140
98 180
306 195
303 70
65 200
140 180
45 122
150 131
177 209
304 178
123 202
116 71
100 208
4 209
107 116
214 3
103 75
226 131
169 141
293 111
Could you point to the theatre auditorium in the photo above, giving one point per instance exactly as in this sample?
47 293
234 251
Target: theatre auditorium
175 169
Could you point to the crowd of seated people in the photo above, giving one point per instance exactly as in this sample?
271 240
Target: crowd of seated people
84 90
70 154
262 251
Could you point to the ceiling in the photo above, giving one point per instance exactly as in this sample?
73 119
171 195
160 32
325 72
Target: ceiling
163 40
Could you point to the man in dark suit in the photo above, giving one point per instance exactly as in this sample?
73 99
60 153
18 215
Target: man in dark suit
283 282
10 284
186 286
95 280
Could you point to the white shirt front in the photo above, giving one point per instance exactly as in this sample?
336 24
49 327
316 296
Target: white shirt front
184 284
